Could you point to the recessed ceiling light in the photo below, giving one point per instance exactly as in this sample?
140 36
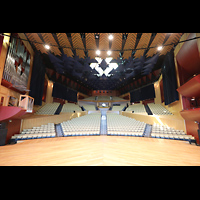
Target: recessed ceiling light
98 52
160 48
109 52
47 46
110 37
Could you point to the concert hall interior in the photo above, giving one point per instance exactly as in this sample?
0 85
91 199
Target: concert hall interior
104 99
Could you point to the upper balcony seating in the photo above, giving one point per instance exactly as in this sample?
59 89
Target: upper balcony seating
70 107
158 109
48 109
137 108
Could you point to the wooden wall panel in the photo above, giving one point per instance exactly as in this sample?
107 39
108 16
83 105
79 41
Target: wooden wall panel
38 120
171 121
188 56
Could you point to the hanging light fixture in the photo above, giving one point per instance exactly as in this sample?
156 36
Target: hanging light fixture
110 37
98 52
47 46
109 52
160 48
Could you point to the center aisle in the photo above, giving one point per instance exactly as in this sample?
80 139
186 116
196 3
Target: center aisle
103 125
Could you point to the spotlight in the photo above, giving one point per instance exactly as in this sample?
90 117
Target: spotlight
110 37
98 52
96 36
47 46
159 48
109 52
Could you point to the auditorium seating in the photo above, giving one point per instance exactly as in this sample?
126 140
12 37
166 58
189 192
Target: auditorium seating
90 98
89 107
121 125
43 131
104 98
165 132
137 108
117 98
158 109
48 109
70 107
118 108
85 125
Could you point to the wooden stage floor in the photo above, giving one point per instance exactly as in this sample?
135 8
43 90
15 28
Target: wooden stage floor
100 151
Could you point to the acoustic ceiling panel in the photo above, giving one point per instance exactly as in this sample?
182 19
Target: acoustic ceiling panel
49 39
33 37
143 43
158 41
63 41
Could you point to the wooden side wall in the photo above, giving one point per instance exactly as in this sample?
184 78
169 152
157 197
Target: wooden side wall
167 120
38 120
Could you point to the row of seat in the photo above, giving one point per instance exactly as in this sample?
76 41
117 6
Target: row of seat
165 132
118 108
48 109
33 136
70 107
157 128
172 136
81 133
104 98
117 125
85 125
89 107
125 133
43 131
158 109
122 125
137 108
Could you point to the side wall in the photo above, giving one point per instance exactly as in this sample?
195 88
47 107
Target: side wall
38 120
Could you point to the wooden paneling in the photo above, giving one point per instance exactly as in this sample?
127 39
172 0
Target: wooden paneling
78 43
104 43
34 37
63 41
130 44
172 121
100 151
130 41
117 41
90 44
38 120
191 114
143 43
188 56
191 88
158 41
49 39
173 38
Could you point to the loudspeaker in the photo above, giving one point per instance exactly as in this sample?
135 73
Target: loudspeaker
3 134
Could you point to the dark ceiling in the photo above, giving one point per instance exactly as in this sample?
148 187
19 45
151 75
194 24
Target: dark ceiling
71 54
